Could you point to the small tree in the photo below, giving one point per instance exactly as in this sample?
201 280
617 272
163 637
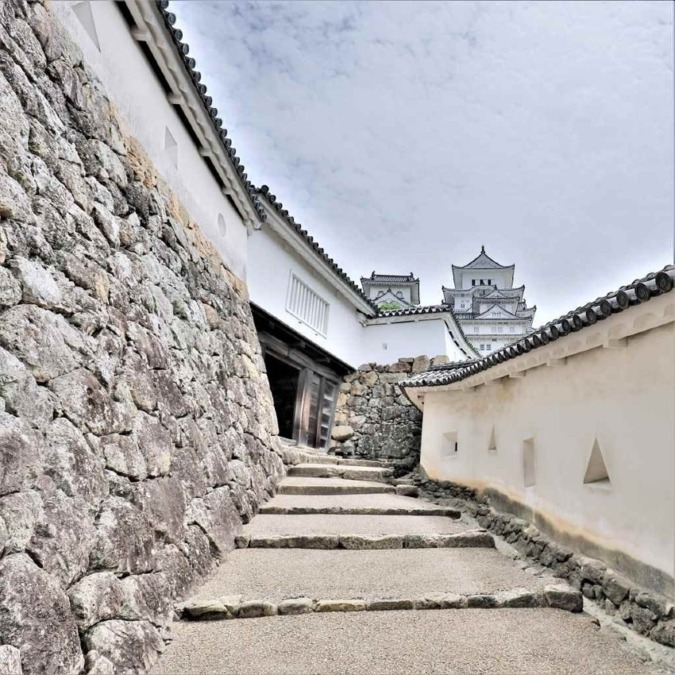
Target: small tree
390 306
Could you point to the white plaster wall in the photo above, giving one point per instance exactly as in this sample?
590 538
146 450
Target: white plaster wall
140 99
270 266
624 398
387 343
500 278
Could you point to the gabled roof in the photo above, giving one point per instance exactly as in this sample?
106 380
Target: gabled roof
505 293
390 296
637 292
484 315
393 280
481 262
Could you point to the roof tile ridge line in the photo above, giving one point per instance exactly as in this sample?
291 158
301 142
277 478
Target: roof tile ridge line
189 63
314 245
660 282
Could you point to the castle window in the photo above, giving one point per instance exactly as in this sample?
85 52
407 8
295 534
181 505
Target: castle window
449 445
306 305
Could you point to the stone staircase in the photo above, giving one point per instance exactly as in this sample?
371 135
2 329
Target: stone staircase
338 545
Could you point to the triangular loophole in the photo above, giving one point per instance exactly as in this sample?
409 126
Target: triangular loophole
84 14
171 147
492 445
596 471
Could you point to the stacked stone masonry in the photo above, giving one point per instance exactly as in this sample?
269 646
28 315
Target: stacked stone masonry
641 610
374 419
137 430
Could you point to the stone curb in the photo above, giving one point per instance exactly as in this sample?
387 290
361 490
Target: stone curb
382 488
472 539
345 472
232 607
455 514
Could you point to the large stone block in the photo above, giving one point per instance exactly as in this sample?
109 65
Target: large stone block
45 342
72 463
35 616
21 452
131 646
96 598
125 541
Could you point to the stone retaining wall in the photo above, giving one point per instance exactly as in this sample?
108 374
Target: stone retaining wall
137 430
645 612
374 419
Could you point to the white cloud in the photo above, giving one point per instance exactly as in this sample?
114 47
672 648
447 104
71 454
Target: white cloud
405 135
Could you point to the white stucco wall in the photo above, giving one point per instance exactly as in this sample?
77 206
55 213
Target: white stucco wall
500 278
271 263
389 342
142 103
270 267
623 397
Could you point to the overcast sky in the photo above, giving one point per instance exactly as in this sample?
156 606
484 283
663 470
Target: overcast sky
404 136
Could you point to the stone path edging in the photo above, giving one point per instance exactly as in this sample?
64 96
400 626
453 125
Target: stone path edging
471 539
234 607
636 608
455 514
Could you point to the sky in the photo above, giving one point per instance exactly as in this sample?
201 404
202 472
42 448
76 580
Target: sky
405 135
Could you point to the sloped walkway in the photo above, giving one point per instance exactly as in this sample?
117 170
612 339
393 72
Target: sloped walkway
339 575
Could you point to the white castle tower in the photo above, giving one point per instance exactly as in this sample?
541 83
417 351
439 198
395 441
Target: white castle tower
491 312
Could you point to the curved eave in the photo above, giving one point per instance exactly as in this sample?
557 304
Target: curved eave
162 45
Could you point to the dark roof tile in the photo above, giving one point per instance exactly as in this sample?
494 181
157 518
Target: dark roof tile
190 64
640 290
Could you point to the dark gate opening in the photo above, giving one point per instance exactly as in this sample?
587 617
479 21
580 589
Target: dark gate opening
284 385
304 379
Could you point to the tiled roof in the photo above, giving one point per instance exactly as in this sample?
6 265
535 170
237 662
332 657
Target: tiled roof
389 278
482 262
190 66
640 290
314 245
425 309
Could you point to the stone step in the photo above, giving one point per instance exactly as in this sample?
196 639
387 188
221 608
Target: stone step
346 471
236 607
338 524
469 539
374 505
276 574
296 485
315 458
498 642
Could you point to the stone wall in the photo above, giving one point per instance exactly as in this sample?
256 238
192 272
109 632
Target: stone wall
374 419
137 430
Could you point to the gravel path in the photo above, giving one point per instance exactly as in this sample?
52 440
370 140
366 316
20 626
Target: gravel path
382 638
274 574
466 642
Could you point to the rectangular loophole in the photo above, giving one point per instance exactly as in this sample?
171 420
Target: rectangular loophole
529 464
449 446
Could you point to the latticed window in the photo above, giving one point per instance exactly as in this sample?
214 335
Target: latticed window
306 305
